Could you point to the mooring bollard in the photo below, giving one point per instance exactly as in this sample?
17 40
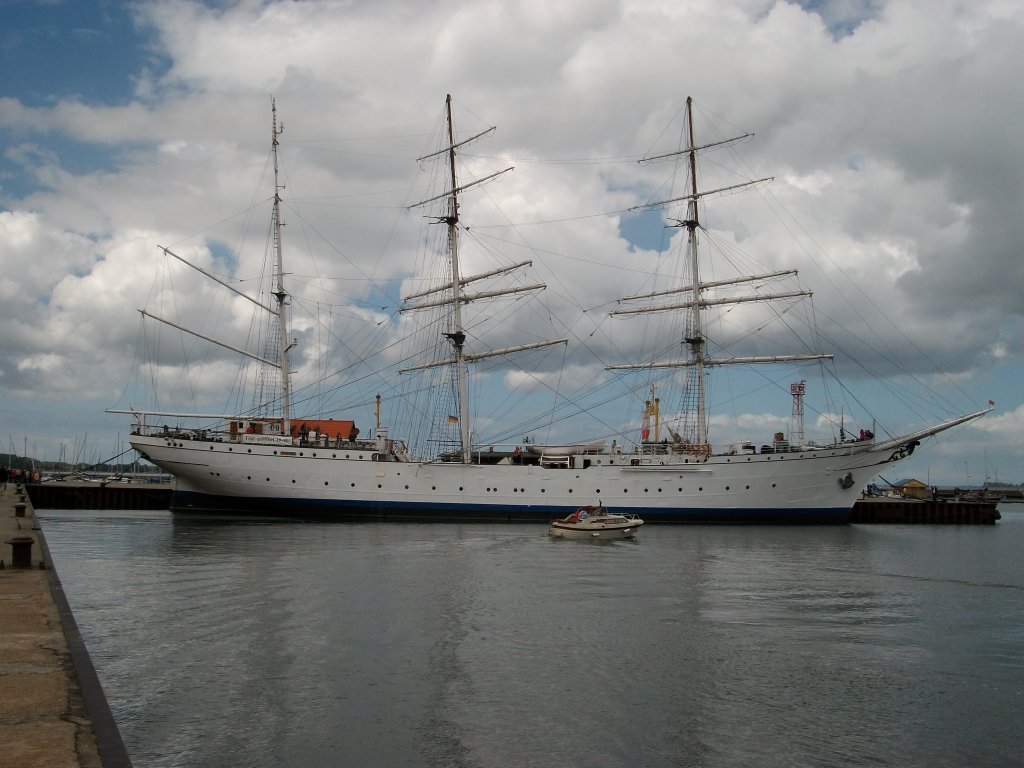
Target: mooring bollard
21 551
19 509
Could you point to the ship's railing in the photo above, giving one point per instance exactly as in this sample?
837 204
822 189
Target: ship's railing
178 432
665 448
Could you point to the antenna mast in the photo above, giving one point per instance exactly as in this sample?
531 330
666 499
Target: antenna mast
797 389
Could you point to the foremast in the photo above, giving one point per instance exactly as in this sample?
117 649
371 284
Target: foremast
693 334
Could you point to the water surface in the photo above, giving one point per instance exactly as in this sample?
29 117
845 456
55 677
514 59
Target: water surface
263 643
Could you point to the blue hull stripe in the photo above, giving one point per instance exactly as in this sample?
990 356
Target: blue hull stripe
198 503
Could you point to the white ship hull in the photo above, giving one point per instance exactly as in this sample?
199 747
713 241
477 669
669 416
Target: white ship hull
816 486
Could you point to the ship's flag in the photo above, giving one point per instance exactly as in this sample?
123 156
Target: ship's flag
453 419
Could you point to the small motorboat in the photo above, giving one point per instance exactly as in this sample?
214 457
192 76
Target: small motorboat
596 522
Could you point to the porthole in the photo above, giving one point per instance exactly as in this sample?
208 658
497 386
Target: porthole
773 485
598 490
460 487
326 483
250 450
407 487
353 485
248 477
268 479
748 487
701 489
727 487
433 487
211 447
379 485
293 481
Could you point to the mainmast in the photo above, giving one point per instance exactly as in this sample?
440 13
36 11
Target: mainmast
457 335
279 292
454 292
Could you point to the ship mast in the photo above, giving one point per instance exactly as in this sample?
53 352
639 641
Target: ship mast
279 312
696 337
279 292
693 336
457 335
456 295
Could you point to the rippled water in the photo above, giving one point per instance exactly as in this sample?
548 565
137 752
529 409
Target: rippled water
233 643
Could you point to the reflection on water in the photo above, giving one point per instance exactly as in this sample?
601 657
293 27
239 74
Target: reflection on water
271 643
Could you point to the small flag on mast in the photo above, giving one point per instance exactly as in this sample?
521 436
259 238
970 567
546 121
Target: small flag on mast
453 419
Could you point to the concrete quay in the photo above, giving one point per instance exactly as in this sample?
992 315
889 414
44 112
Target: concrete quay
53 711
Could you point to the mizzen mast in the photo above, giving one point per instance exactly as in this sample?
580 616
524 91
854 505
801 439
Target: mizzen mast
280 294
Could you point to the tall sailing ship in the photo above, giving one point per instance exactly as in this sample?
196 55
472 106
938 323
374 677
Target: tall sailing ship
281 464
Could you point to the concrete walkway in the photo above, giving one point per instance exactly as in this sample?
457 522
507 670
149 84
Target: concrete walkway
52 709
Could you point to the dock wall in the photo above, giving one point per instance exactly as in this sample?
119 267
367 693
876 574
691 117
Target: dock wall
53 711
926 512
61 495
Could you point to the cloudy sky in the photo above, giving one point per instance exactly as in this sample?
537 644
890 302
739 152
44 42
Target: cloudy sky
891 130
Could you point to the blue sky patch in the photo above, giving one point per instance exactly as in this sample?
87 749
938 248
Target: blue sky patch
90 50
645 230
